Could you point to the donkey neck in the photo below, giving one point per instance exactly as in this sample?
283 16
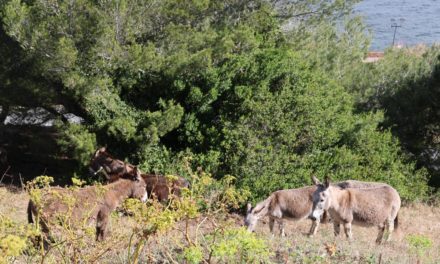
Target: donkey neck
117 192
261 209
112 166
338 198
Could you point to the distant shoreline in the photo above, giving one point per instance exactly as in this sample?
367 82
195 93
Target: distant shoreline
376 55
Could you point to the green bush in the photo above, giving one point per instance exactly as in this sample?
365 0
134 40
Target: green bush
14 239
193 254
418 245
237 245
294 123
405 86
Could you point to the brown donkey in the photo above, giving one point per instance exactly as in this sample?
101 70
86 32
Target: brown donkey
294 204
362 206
103 162
157 185
89 203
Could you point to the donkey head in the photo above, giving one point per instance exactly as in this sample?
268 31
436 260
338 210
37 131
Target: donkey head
321 198
253 214
98 160
103 162
139 187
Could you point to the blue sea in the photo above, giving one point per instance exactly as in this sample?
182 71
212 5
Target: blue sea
417 21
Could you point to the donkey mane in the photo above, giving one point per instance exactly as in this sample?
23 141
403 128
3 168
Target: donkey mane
359 184
261 209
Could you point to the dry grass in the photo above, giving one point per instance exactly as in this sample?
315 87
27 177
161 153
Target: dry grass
418 219
13 203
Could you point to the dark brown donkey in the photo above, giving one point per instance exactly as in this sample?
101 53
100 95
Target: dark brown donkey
64 205
157 185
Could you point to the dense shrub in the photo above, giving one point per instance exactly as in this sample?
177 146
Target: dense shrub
406 86
294 123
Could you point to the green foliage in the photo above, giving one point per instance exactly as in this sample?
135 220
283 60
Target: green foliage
237 245
42 181
76 49
159 159
78 142
77 182
419 244
14 239
193 254
11 246
371 155
331 50
294 123
405 84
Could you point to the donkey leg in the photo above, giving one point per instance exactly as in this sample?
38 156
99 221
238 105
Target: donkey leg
46 236
390 228
271 224
100 232
281 222
347 230
314 228
337 228
380 234
101 225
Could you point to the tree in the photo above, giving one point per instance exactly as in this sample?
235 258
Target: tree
405 85
227 82
293 123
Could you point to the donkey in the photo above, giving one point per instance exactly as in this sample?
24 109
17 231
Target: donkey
157 185
294 204
160 187
362 206
90 203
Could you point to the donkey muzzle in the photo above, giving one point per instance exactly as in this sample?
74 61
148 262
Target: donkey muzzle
145 197
93 172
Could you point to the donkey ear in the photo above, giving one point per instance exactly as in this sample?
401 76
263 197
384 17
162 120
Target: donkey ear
97 153
137 173
327 181
249 207
315 180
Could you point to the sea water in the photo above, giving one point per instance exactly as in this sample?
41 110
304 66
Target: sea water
417 21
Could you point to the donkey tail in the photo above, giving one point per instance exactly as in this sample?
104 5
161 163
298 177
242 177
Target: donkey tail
29 212
396 222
